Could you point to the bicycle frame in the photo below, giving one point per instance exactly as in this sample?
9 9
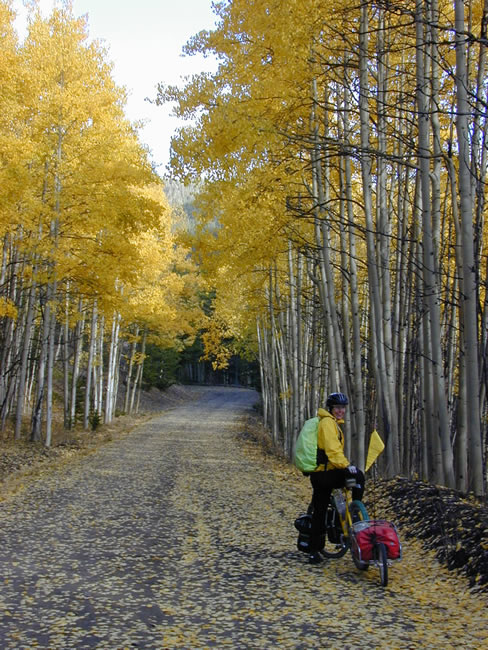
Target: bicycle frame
345 511
349 514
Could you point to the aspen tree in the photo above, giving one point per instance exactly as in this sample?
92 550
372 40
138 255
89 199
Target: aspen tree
131 361
469 280
349 249
137 385
438 404
387 405
90 379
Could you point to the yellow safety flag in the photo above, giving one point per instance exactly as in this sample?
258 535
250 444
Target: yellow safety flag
376 446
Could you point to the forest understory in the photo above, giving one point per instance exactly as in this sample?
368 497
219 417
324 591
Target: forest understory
451 524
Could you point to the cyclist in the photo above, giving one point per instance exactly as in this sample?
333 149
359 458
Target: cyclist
333 469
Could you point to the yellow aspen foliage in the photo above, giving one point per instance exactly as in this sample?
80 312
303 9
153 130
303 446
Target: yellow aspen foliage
89 175
14 144
93 214
7 308
162 295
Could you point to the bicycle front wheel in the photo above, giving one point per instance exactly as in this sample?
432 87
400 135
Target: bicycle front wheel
358 512
382 560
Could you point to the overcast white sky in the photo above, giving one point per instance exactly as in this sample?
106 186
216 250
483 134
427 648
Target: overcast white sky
145 39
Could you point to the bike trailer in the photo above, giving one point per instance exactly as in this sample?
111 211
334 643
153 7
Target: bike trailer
365 534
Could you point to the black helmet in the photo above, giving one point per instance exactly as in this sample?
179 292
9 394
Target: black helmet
336 399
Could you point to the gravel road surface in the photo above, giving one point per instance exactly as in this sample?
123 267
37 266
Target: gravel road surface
180 535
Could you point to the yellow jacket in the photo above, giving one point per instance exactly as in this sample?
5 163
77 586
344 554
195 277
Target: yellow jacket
331 439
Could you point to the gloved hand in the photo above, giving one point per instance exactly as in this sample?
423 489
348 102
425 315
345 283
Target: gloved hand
352 469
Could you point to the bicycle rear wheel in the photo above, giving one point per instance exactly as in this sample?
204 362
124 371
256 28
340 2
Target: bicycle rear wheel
382 561
335 550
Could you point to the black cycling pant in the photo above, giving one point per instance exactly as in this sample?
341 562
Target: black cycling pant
323 483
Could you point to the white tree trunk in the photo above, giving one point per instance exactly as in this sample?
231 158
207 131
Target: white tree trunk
469 298
89 367
111 386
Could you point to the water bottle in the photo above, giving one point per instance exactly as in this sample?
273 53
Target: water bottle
340 502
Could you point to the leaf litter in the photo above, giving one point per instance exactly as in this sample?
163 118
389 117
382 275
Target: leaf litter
180 535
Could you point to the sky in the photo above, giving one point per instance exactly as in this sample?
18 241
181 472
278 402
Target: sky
145 40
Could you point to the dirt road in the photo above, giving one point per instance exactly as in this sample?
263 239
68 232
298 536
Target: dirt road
181 536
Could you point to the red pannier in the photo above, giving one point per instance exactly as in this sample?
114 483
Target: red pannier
368 533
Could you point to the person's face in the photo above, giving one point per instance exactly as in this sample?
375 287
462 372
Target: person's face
339 412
